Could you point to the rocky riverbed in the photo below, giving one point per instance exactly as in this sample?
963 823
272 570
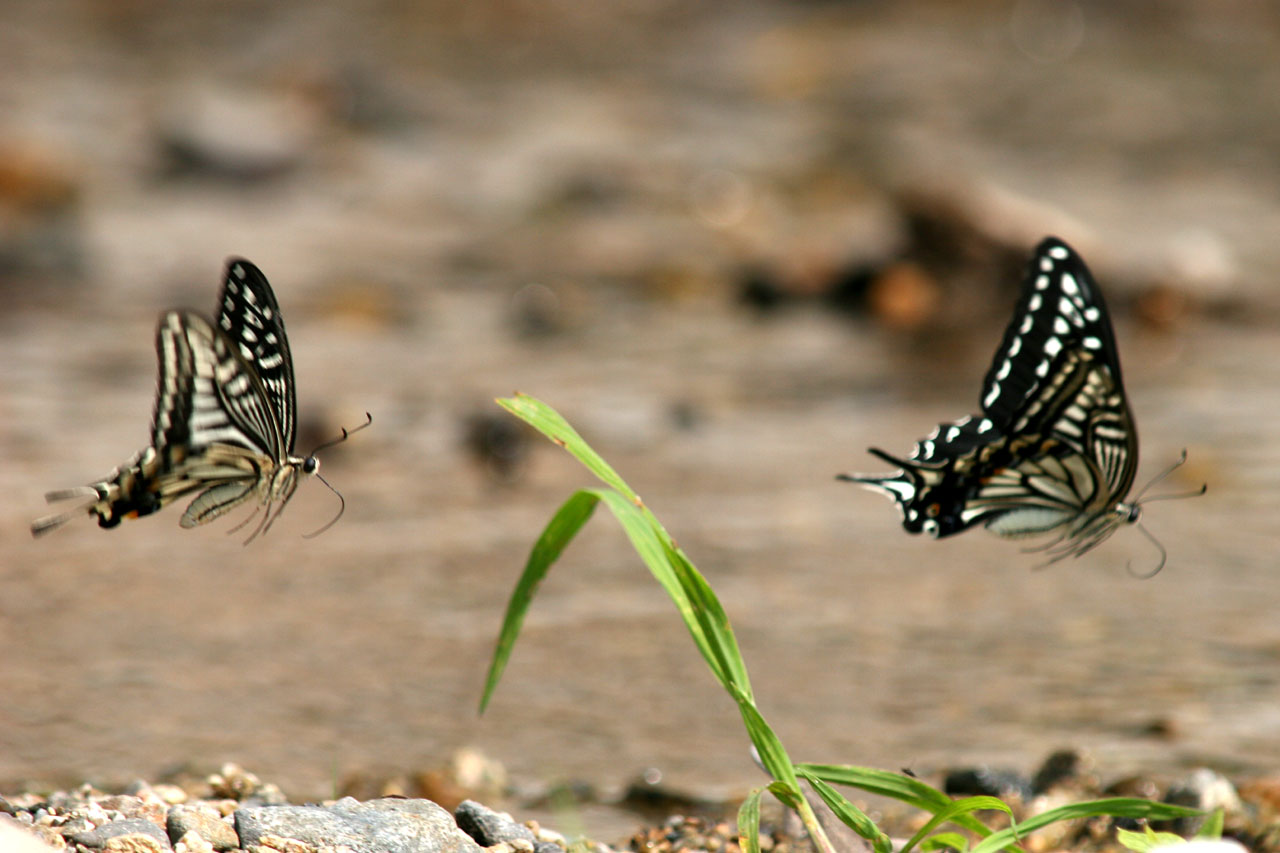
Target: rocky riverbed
235 811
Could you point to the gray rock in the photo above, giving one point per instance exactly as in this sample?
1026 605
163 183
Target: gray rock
378 826
98 838
1203 789
204 821
488 827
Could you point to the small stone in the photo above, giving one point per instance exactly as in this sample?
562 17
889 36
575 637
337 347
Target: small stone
135 843
489 827
192 842
99 837
378 826
18 839
1066 766
203 820
987 781
286 845
1205 790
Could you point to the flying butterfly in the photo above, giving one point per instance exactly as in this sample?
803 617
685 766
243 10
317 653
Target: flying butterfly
1055 450
224 423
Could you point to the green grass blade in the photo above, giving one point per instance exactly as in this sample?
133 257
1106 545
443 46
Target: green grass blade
898 786
1148 839
647 542
1113 807
852 816
564 525
712 618
749 822
1212 826
945 841
552 424
958 808
786 794
770 749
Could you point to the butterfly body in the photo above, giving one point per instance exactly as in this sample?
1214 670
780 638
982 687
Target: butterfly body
223 427
1054 450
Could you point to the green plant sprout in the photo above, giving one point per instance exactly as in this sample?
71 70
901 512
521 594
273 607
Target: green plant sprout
709 627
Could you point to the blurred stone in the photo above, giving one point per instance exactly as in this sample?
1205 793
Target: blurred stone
987 781
499 443
760 290
904 297
1206 790
235 783
41 232
1162 307
1066 767
1263 791
363 302
16 838
237 136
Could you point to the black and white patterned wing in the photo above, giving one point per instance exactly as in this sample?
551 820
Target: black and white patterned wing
1054 442
212 430
250 319
1061 310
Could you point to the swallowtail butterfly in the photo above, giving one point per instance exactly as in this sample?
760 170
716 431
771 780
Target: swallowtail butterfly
1054 450
224 423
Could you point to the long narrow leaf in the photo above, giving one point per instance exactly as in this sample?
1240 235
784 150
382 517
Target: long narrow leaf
712 618
945 841
769 748
558 533
852 816
653 551
897 786
552 424
1113 807
749 822
965 806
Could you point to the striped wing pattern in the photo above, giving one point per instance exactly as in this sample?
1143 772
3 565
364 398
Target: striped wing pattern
250 318
223 425
1054 449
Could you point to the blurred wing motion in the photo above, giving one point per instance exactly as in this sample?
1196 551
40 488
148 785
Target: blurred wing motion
224 421
1055 449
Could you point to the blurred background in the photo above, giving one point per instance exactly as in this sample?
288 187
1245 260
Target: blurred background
735 243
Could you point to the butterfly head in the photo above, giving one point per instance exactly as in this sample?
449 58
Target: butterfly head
310 465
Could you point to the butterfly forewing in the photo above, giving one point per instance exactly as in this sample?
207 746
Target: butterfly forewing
250 318
1060 311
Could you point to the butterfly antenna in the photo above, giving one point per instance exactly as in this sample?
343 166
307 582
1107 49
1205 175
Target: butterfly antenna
1158 477
346 433
1177 496
341 509
1164 555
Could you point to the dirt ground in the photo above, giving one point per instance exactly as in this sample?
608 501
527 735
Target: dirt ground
455 201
